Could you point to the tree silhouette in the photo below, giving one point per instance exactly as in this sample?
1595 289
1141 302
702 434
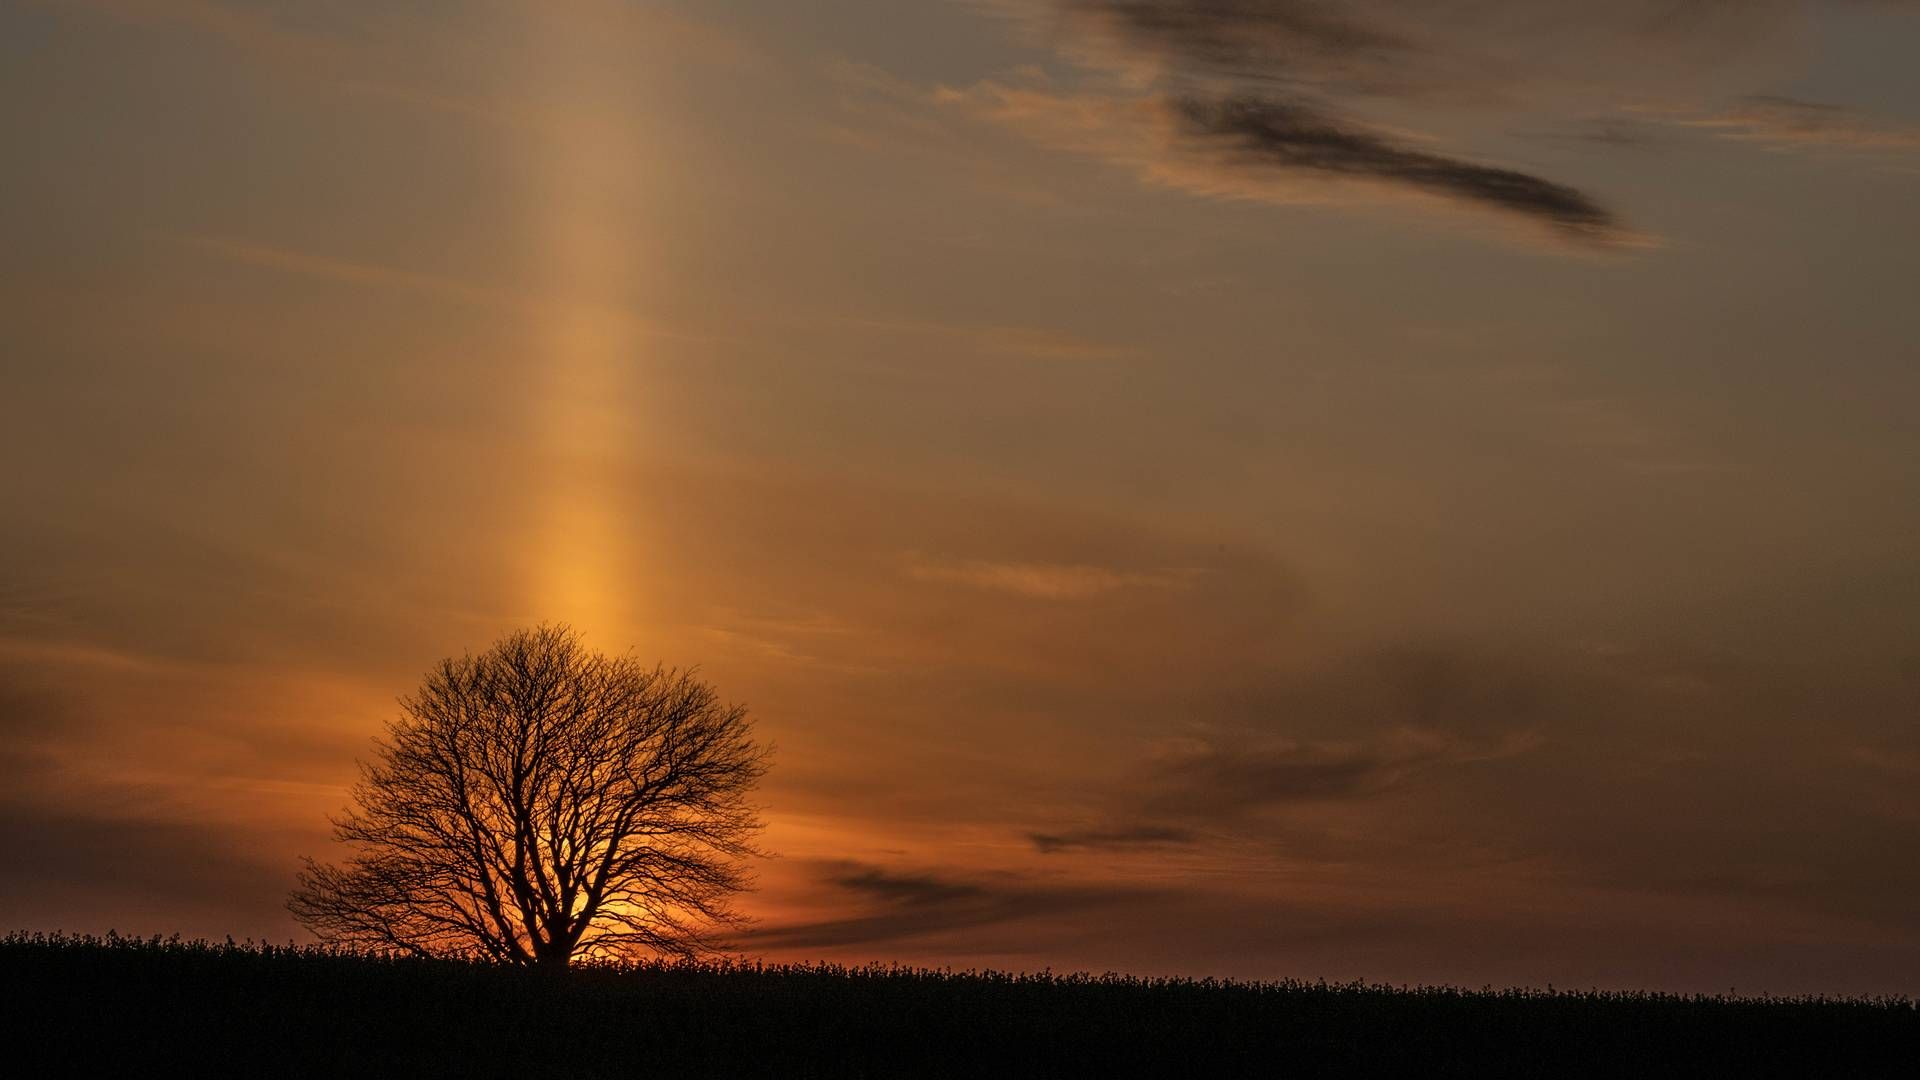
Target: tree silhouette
541 802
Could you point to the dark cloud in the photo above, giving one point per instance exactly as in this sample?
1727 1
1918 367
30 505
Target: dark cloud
1478 51
903 890
1273 88
1249 38
1252 132
60 869
1256 41
907 905
1116 839
1335 734
1350 728
1454 689
1229 780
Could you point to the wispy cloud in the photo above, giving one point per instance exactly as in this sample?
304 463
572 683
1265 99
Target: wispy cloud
253 30
1489 54
1784 123
350 272
389 52
1550 409
1227 778
1325 740
1046 581
898 905
1035 342
1127 838
382 277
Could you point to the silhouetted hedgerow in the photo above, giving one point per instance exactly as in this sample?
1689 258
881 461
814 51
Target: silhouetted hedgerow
85 1005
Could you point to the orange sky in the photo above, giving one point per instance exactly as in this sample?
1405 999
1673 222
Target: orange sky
1186 488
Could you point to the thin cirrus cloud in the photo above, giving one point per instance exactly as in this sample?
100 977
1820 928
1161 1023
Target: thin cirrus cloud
350 272
1045 581
1784 123
379 277
1124 838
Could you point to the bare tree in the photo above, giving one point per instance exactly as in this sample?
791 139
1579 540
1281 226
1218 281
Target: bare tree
541 802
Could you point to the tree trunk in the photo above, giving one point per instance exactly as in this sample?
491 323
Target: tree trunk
552 958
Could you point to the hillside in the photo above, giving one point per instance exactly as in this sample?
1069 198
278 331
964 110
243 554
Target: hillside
83 1005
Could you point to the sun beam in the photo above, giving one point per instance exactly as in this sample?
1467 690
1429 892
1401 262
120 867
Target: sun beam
587 168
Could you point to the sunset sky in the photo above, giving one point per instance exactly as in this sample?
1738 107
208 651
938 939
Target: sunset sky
1422 491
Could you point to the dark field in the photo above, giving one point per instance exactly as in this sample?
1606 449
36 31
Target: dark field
86 1005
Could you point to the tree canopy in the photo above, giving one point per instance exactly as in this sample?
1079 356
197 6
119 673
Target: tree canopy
540 802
